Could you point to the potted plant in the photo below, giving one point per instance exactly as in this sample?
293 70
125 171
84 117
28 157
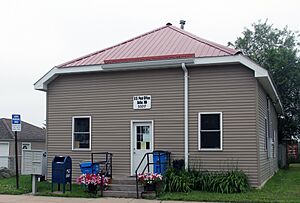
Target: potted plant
92 182
150 180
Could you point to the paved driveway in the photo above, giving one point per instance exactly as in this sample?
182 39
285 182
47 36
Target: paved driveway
43 199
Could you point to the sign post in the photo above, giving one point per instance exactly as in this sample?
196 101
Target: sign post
16 126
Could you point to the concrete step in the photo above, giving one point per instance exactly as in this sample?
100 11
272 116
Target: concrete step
124 194
124 187
125 181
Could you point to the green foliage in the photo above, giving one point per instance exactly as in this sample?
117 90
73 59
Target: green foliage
277 50
8 186
177 181
233 181
282 187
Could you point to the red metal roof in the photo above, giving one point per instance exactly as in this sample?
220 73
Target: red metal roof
167 42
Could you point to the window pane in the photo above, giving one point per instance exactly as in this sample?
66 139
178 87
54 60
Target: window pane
81 140
210 121
82 125
210 140
138 145
147 145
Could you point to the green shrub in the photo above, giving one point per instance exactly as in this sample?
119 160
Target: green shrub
234 181
177 181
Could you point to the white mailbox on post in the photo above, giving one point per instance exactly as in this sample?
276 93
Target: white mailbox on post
34 162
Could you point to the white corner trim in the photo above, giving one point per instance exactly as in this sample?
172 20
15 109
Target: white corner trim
42 83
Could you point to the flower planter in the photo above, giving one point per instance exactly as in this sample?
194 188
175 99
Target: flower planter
150 187
91 188
93 182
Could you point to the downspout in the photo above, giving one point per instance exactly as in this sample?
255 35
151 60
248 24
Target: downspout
186 116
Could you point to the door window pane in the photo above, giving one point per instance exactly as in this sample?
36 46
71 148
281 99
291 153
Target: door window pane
143 137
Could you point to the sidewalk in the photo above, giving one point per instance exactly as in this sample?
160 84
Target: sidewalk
43 199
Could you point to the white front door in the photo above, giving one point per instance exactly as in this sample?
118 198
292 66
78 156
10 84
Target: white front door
4 153
142 142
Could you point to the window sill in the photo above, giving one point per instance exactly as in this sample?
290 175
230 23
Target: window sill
80 150
210 150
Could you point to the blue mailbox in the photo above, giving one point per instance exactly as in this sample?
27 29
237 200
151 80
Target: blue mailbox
62 171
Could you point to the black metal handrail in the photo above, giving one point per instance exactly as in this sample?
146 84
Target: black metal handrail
148 165
108 166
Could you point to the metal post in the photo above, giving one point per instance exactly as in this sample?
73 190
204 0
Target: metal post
111 165
16 155
106 161
148 162
33 184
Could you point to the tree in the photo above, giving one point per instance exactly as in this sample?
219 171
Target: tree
277 51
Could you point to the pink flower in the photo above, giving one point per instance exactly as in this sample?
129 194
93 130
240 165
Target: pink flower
94 179
149 178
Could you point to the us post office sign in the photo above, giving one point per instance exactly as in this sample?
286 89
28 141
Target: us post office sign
142 102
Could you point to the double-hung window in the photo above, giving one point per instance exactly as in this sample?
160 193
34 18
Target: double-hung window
81 133
210 131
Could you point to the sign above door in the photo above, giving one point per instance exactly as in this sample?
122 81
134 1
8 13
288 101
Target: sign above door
142 102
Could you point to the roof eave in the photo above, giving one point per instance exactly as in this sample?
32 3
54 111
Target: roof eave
42 84
260 73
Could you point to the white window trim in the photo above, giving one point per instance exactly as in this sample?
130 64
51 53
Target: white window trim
199 131
90 143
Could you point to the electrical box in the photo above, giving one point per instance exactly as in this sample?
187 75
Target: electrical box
34 162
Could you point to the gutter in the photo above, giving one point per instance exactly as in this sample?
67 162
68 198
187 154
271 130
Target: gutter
186 116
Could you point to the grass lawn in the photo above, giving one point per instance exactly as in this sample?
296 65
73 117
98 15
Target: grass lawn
8 186
283 187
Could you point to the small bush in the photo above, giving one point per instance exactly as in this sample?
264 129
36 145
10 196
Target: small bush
177 181
234 181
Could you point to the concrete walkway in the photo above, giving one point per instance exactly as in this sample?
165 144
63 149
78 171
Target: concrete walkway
43 199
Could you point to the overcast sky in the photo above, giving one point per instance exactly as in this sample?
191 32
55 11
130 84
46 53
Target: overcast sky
37 35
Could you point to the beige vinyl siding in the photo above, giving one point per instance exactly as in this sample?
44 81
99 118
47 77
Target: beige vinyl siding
107 98
230 90
268 166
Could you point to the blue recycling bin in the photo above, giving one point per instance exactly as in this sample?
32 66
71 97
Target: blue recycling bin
160 161
62 171
89 168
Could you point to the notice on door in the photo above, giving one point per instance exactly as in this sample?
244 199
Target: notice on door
142 102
